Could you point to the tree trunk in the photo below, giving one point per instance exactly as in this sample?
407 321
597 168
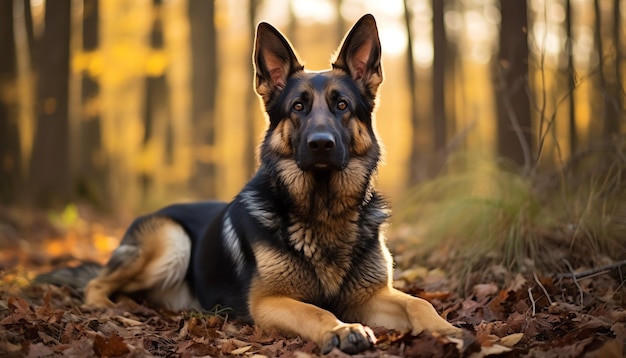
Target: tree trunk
571 77
9 132
204 87
439 67
609 85
49 175
514 124
341 25
157 126
91 167
251 98
619 88
28 22
415 160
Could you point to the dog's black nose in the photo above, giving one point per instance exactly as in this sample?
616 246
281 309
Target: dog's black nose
321 142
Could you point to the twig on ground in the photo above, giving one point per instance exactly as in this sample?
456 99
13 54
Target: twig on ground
545 292
591 272
580 290
532 300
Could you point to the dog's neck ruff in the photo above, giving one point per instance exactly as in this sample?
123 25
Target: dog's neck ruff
318 197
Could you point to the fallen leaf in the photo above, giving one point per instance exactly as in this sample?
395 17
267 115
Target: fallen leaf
240 350
428 345
127 321
517 283
413 274
484 290
21 308
113 346
511 339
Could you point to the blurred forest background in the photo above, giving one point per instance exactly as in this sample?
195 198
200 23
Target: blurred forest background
129 105
503 123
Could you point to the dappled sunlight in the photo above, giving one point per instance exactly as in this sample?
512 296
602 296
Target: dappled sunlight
322 11
153 161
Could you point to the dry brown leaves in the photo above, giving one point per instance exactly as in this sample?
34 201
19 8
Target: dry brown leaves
519 317
49 321
43 323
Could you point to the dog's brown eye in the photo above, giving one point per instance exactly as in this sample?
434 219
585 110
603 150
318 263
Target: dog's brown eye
298 106
341 105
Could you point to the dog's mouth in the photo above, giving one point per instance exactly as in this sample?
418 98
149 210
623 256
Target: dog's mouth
320 166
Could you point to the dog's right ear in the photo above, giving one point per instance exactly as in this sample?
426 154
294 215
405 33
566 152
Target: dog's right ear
274 61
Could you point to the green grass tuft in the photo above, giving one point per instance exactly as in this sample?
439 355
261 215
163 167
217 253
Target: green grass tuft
483 212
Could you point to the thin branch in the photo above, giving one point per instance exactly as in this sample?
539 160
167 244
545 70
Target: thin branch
571 78
543 132
580 290
532 300
545 292
544 95
591 272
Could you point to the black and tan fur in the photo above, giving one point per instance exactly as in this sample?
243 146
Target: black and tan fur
301 248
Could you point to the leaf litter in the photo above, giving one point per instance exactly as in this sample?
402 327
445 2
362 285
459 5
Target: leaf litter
503 315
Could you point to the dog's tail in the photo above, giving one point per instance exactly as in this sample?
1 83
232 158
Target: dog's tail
74 277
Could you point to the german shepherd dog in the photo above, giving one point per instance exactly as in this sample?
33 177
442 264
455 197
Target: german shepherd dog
301 248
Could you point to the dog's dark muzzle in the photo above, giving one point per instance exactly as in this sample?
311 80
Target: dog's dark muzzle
321 143
321 150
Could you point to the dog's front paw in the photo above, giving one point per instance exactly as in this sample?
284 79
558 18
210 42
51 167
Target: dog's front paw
349 338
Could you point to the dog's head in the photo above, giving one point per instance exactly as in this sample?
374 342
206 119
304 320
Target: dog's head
320 120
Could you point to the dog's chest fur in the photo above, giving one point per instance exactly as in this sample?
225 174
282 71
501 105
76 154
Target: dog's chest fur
312 266
310 259
327 249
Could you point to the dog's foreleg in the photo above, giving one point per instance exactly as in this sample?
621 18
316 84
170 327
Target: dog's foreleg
397 310
290 316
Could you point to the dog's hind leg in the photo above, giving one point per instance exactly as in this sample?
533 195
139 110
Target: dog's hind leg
152 257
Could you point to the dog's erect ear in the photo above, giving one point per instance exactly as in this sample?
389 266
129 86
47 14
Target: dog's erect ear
274 61
360 55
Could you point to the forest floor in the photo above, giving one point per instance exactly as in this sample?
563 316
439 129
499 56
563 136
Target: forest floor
506 314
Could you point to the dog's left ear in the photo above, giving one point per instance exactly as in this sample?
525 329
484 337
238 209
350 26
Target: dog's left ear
274 61
360 55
